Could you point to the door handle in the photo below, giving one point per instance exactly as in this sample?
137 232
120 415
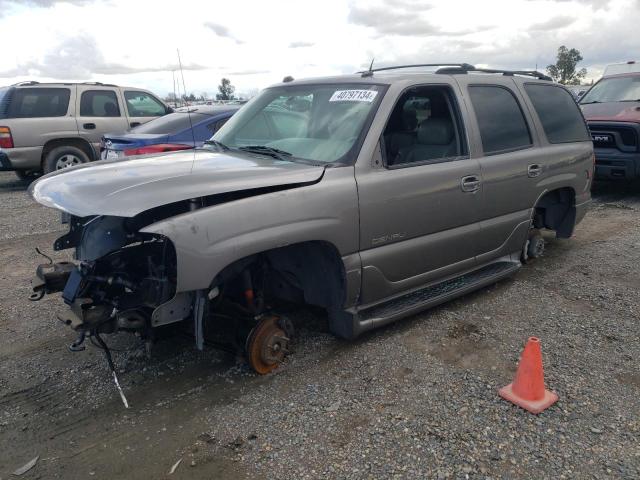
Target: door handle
470 183
89 126
534 170
134 124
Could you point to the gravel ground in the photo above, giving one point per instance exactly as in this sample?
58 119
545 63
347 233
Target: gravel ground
415 400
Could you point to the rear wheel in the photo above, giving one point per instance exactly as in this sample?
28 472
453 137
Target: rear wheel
533 247
64 157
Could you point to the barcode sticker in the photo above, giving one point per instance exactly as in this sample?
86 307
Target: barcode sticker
353 96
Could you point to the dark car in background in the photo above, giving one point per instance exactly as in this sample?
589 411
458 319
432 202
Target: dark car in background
612 110
183 129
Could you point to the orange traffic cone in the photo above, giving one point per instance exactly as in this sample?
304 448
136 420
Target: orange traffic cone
527 390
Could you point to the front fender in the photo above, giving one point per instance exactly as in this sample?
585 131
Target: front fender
208 239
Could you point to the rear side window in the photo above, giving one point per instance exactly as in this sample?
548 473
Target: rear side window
558 113
502 124
99 103
169 124
141 104
215 126
38 102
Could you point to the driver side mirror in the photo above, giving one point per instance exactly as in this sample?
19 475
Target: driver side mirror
169 109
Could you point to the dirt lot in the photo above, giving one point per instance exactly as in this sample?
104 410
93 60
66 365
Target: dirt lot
415 400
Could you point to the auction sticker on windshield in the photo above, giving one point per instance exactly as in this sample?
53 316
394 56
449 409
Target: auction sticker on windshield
353 96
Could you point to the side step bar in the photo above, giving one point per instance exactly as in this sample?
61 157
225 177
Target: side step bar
433 295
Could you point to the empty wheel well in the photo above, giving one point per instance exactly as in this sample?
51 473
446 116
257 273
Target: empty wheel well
310 273
556 210
64 142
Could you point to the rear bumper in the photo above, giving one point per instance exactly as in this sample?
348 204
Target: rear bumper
21 158
612 164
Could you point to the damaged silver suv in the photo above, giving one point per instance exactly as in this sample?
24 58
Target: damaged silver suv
373 196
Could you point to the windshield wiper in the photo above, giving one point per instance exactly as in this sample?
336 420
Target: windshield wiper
216 143
587 103
270 151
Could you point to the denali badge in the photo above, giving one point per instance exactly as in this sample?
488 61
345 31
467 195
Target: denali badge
601 138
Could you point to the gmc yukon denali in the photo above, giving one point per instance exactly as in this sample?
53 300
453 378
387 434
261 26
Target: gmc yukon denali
373 196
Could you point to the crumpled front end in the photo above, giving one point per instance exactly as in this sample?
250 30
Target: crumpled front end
118 279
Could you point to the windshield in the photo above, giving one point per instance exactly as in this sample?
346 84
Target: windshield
622 89
321 123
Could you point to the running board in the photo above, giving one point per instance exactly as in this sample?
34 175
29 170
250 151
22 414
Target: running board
433 295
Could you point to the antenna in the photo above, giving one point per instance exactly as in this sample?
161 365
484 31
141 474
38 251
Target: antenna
175 98
369 73
193 136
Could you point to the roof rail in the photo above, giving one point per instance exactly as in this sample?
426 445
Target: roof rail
368 73
453 68
528 73
99 84
30 82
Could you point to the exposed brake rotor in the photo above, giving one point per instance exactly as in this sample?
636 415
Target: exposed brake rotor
267 345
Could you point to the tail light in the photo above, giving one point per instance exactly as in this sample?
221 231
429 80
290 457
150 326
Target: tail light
6 140
159 148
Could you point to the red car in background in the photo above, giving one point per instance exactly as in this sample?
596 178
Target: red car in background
612 110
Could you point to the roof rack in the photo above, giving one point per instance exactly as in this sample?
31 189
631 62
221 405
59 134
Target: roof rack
30 82
454 68
368 73
99 83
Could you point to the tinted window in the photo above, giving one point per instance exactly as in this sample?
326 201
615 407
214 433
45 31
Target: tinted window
558 112
502 124
215 126
38 102
423 128
142 104
99 103
169 124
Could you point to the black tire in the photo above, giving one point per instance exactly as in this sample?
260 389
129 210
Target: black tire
62 157
26 175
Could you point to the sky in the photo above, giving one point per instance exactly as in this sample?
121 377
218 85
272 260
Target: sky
256 43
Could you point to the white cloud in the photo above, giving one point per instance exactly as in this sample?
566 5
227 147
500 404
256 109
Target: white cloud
258 42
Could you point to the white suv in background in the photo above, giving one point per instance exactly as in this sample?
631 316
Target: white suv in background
49 126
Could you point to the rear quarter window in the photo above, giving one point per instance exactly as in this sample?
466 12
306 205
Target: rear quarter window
502 124
169 124
38 103
558 112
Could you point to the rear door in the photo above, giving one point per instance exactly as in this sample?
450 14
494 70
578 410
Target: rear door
419 197
142 107
507 147
99 111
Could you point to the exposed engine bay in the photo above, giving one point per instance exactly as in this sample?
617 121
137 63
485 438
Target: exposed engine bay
119 278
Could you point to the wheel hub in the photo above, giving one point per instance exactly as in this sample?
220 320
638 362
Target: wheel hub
267 345
66 161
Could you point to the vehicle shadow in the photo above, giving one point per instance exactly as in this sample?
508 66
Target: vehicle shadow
9 182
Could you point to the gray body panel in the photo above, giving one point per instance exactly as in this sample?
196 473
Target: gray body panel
210 239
